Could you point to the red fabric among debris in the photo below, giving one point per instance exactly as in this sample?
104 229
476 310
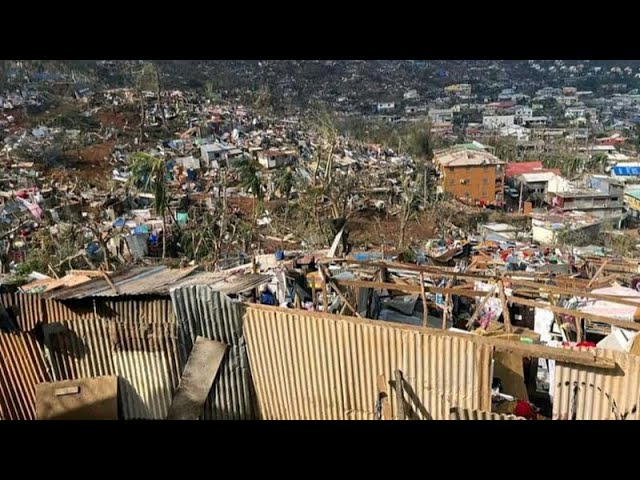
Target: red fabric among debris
525 410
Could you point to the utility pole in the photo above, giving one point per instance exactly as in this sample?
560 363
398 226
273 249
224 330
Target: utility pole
520 201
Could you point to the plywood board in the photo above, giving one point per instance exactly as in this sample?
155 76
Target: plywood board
198 376
83 399
508 368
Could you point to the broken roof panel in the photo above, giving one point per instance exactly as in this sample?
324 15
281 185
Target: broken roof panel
457 157
225 283
136 281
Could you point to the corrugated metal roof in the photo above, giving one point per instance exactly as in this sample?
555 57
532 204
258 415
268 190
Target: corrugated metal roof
158 280
136 281
22 367
225 283
202 311
315 366
586 393
466 414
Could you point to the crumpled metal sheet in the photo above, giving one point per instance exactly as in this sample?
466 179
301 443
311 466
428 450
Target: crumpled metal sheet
203 311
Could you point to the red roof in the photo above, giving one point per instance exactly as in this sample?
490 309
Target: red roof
518 168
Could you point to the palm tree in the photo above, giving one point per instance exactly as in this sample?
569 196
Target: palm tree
149 174
285 182
251 180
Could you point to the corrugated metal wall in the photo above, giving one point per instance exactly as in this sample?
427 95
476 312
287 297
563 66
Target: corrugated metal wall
586 393
202 311
465 414
28 309
22 367
145 357
55 311
142 355
32 309
312 366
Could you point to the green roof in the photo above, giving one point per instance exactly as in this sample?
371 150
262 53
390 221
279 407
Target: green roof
470 146
634 194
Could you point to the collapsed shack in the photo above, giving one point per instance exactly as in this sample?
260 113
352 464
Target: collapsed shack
139 326
540 310
359 339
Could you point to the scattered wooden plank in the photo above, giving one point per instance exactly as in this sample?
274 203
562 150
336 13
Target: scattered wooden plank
505 307
198 377
111 284
595 277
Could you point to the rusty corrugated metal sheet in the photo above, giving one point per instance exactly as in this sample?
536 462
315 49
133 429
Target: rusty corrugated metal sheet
32 309
466 414
157 310
28 309
135 281
202 311
22 367
226 283
586 393
318 366
143 355
55 311
78 349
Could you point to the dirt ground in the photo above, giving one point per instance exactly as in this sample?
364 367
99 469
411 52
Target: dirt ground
110 119
377 228
90 165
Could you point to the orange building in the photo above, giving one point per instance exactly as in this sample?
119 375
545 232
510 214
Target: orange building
471 175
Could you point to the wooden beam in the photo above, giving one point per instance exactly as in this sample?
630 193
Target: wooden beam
577 293
575 313
400 396
409 288
425 315
111 284
593 279
383 397
553 353
342 297
505 308
439 272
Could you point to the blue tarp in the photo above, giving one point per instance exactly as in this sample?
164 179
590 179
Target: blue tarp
626 171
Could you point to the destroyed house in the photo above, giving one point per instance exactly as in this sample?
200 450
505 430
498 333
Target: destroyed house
217 155
471 175
276 158
139 325
603 196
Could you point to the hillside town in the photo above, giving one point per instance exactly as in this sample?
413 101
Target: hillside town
303 240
